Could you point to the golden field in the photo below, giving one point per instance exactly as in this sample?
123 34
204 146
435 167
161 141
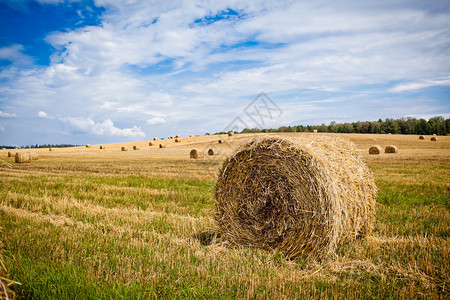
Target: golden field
103 223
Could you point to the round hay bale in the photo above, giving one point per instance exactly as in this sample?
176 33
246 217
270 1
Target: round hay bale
124 149
421 137
315 130
23 157
211 152
88 146
301 196
11 154
171 137
375 149
220 141
434 134
135 148
391 149
433 139
177 140
102 147
150 144
155 139
34 156
230 133
190 135
162 146
49 149
177 136
195 154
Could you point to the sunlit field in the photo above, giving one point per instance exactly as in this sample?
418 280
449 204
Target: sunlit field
86 223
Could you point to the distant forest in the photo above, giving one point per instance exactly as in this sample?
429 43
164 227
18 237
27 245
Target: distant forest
40 146
436 125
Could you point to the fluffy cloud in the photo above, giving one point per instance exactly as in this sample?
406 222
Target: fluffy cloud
44 115
7 115
106 128
156 121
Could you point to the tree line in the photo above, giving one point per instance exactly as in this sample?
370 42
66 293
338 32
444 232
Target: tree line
436 125
39 146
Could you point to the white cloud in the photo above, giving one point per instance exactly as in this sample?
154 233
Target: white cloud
44 115
7 115
156 121
14 54
106 128
419 85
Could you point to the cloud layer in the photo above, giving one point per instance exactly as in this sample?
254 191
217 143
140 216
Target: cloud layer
191 67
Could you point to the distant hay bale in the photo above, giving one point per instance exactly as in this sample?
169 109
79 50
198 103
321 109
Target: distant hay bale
391 149
301 196
177 140
22 157
124 149
190 135
230 133
177 136
88 146
211 152
11 154
315 130
434 134
433 139
421 137
135 148
34 156
375 149
150 144
195 154
49 149
171 137
220 141
162 146
102 147
155 139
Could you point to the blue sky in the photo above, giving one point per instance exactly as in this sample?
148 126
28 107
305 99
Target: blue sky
103 71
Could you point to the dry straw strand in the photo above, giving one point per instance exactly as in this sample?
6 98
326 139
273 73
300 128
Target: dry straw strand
375 149
301 196
433 139
195 154
5 291
23 157
391 149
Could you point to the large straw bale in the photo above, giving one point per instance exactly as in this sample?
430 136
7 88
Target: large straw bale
22 157
301 196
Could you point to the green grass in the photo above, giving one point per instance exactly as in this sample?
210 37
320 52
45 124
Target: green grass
99 231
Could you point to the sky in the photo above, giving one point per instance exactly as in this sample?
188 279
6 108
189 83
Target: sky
105 71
